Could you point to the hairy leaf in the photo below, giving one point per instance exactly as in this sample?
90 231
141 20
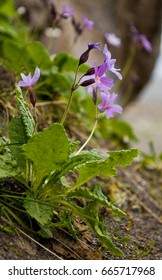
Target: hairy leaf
74 162
27 119
8 166
41 210
95 194
90 215
18 137
48 150
106 167
99 228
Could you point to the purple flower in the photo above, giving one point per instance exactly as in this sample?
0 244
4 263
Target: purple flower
84 57
97 79
94 46
110 63
28 81
101 81
145 43
107 105
113 40
87 23
66 12
140 40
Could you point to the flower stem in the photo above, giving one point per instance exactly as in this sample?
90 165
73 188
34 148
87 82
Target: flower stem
67 108
73 88
90 136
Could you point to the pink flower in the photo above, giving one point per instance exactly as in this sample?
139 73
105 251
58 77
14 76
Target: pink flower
66 12
140 40
101 81
113 40
87 23
96 79
111 62
28 81
145 43
107 105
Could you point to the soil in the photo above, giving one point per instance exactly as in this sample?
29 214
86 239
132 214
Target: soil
137 191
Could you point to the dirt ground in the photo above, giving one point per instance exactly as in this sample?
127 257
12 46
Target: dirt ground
137 191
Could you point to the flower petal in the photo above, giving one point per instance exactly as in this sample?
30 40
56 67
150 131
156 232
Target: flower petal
22 84
108 82
36 76
113 97
24 77
109 113
117 108
101 70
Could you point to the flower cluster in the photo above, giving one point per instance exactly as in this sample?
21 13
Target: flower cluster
95 79
140 40
66 13
98 82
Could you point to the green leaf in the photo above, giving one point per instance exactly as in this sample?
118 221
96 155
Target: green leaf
8 167
17 137
40 210
48 150
90 215
27 56
106 167
95 194
15 57
27 118
74 162
91 218
38 54
60 83
7 8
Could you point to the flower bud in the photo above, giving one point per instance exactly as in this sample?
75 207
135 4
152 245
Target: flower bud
84 57
87 82
32 96
93 46
91 71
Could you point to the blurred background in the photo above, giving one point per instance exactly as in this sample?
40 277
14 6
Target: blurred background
140 91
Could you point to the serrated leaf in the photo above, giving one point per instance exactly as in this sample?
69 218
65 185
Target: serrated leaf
95 194
89 215
106 167
48 150
91 218
123 157
8 166
17 137
74 162
26 116
40 210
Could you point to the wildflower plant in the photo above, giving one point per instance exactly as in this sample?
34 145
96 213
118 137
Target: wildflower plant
42 162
